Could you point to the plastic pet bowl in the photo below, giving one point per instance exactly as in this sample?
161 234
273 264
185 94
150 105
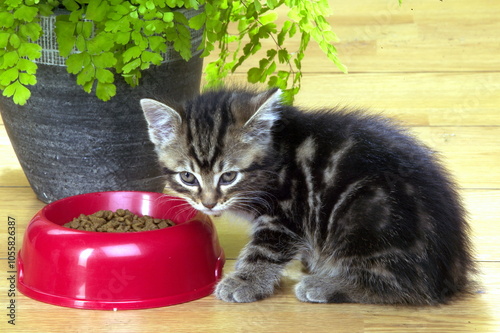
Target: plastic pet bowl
128 270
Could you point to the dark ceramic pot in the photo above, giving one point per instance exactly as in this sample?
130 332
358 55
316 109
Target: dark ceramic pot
69 142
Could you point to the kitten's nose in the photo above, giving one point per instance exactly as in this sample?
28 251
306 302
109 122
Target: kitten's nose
209 205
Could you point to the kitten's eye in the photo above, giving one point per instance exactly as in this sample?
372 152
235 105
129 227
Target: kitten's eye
188 178
228 177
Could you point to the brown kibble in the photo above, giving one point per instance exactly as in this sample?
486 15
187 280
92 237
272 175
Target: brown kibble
96 220
120 212
75 223
120 221
137 227
109 215
163 224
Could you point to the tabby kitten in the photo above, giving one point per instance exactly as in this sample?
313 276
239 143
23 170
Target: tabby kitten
369 210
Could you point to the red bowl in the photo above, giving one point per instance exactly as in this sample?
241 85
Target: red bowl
129 270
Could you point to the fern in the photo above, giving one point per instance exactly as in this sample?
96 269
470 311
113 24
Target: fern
128 37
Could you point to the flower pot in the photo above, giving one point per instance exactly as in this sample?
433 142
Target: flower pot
69 142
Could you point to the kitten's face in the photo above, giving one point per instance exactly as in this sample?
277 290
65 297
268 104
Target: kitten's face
215 151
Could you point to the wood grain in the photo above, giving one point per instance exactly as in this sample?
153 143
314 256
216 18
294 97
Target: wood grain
431 65
282 313
419 36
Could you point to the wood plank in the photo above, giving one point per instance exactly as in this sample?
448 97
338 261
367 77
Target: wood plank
280 313
483 207
435 99
418 36
471 153
11 173
415 99
434 66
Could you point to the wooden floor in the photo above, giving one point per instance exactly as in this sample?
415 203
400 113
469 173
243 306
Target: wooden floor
434 65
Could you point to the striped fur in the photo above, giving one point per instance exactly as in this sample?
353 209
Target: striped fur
369 211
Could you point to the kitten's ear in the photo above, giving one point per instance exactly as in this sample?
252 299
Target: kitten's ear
163 121
267 114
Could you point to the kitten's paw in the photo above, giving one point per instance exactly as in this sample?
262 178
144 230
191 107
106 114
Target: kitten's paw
315 289
234 289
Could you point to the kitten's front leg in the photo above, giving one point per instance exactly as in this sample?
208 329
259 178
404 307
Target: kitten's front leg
260 264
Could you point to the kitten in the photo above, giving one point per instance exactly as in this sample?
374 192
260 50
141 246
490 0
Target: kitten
369 210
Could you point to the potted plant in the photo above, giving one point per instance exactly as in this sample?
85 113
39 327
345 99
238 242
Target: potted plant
74 132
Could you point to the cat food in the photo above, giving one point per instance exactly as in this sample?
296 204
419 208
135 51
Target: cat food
120 221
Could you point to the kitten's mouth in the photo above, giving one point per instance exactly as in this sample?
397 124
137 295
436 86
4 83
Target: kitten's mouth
215 213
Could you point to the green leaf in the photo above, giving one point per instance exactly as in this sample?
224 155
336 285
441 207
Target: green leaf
85 29
86 75
15 41
9 59
31 30
144 65
81 43
76 15
133 52
272 3
97 10
157 43
65 36
293 30
25 13
294 14
271 53
104 60
131 65
121 8
27 66
268 18
122 38
75 63
6 19
283 75
180 18
100 43
168 17
198 21
133 77
257 5
30 50
171 3
134 15
283 56
284 30
138 39
21 93
27 79
4 39
10 75
87 87
150 5
270 70
288 96
104 75
152 58
71 5
254 74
